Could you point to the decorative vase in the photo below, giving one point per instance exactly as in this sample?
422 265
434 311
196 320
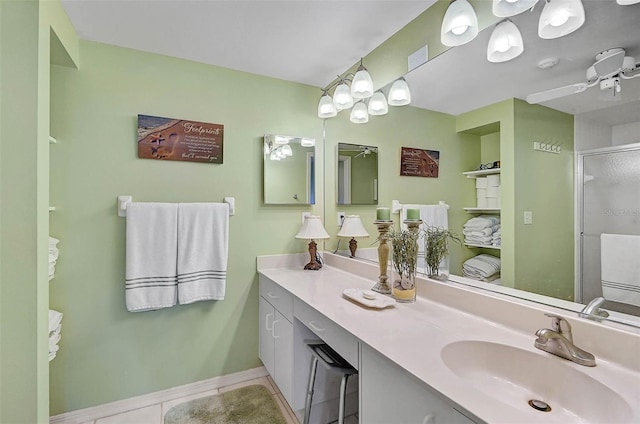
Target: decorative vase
436 250
404 258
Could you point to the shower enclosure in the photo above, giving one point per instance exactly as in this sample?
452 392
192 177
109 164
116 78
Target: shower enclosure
608 199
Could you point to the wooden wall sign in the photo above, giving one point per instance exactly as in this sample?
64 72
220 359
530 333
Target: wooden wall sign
419 162
178 139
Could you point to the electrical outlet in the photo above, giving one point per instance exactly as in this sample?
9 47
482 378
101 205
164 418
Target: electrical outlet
341 216
305 215
528 217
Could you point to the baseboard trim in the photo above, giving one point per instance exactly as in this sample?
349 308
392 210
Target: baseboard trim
93 413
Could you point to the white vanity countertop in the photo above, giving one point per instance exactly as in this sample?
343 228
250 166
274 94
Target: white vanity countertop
412 335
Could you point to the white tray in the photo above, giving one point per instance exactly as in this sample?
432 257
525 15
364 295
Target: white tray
381 301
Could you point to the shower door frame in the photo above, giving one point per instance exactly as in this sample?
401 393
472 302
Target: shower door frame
579 202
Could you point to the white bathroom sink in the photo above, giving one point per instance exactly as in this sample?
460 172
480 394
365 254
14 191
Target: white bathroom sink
515 376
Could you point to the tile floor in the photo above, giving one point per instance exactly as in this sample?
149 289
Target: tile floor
154 414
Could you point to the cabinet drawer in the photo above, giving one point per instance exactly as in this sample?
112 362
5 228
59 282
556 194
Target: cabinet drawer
340 340
279 298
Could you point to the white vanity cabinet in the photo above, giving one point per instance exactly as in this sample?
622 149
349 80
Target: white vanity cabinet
390 395
276 335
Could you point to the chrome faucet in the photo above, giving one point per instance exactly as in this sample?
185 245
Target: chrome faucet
592 310
559 341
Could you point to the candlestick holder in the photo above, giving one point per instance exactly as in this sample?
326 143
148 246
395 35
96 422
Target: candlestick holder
382 286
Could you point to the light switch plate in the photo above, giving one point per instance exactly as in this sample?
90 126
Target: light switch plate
528 217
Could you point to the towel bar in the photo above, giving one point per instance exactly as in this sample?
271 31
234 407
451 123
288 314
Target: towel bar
396 206
123 202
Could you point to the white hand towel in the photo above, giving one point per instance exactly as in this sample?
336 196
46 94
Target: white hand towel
55 318
53 242
619 255
152 249
203 250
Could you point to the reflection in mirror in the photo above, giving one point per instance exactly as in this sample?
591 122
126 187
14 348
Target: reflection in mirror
357 174
550 258
289 170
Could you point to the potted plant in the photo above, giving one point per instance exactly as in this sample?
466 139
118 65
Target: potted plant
404 257
436 248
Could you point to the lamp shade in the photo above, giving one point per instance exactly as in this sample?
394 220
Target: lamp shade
352 227
560 17
399 94
505 43
307 142
627 2
286 150
506 8
359 113
459 25
342 98
326 108
312 229
362 85
378 104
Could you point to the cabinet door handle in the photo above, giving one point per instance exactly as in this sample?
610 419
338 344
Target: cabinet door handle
314 327
273 329
429 419
266 323
271 295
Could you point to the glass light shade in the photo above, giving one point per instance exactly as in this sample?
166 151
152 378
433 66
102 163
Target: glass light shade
342 98
506 8
286 150
312 229
281 140
560 17
362 85
505 43
359 113
352 227
274 156
326 108
378 104
399 94
627 2
307 142
459 25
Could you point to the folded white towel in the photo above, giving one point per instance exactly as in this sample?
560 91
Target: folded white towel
478 233
53 242
203 250
481 239
483 265
481 222
55 318
53 342
493 180
152 248
57 330
619 255
53 255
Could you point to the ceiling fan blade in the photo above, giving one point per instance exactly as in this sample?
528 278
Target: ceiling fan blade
555 93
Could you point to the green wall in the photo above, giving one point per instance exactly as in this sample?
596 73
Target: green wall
108 353
32 34
544 259
404 127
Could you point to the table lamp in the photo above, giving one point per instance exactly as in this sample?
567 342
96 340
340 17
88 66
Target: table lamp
312 229
352 227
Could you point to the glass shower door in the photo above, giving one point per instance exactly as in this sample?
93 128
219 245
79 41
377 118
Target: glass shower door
610 203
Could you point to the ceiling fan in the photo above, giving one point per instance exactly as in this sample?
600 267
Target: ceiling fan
366 151
610 67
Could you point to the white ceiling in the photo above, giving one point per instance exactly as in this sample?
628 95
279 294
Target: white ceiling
311 41
304 41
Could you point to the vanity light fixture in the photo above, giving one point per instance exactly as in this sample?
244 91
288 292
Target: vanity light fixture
359 113
560 17
399 94
459 25
378 104
280 140
311 230
286 150
326 108
362 85
352 228
505 42
342 98
507 8
307 142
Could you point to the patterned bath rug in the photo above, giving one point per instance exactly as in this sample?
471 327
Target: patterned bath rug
246 405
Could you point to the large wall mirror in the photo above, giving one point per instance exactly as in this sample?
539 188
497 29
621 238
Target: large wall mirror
289 170
357 174
460 106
